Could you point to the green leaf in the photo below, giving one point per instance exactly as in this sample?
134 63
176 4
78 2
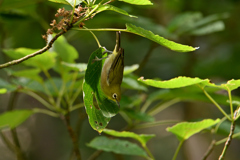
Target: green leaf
76 66
174 83
117 146
194 23
208 29
14 118
29 73
3 90
138 2
43 61
131 82
185 130
113 8
130 69
99 108
142 138
69 2
231 85
158 39
8 86
66 52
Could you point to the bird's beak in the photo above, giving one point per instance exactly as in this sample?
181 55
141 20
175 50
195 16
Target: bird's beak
117 103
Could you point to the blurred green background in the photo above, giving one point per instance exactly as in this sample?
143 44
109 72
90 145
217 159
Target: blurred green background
22 23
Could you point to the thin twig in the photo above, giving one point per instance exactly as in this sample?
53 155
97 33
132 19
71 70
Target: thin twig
108 2
73 136
44 49
7 142
17 146
216 104
209 150
230 136
95 155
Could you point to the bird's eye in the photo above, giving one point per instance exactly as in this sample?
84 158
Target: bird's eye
114 96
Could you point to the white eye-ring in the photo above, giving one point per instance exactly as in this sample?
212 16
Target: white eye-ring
114 96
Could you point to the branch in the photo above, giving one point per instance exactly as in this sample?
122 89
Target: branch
73 136
44 49
230 136
209 150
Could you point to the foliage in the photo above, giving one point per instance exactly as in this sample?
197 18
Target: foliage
57 77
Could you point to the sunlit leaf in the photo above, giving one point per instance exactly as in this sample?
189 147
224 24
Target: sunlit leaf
158 39
130 69
173 83
3 90
117 146
138 2
12 119
130 82
142 138
76 66
184 130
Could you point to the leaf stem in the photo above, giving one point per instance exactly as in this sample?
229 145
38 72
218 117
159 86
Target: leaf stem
148 152
230 101
95 37
161 106
73 11
90 13
50 113
156 123
216 104
177 150
40 99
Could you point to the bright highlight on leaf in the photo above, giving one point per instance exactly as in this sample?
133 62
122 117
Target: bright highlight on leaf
130 69
117 146
142 138
3 90
12 119
174 83
185 130
138 2
158 39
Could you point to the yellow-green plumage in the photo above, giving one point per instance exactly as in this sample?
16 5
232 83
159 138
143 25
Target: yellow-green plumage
112 72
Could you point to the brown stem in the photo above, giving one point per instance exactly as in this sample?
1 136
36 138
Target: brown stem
227 143
95 155
73 136
209 150
44 49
